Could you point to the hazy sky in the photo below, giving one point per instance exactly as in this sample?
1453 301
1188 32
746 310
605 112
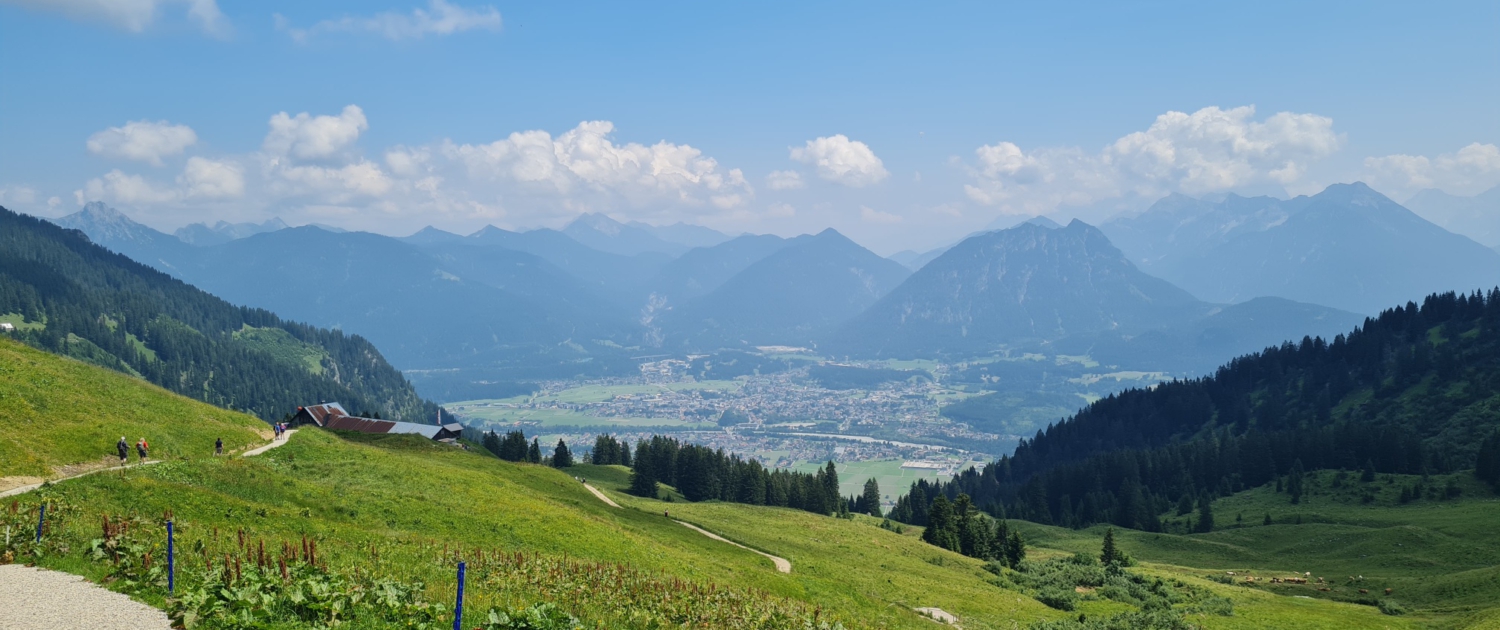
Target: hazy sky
903 125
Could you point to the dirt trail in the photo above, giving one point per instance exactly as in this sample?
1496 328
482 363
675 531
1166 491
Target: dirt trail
285 437
29 487
602 496
75 471
782 564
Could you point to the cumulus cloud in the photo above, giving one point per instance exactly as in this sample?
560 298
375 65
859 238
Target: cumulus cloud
1469 170
585 160
440 18
311 137
133 15
203 178
118 187
784 180
143 140
839 159
1209 150
871 215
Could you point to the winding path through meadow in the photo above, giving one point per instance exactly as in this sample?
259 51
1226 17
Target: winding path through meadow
782 564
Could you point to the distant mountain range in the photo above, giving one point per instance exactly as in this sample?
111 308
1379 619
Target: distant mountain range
1192 283
1348 247
201 234
1476 217
1071 289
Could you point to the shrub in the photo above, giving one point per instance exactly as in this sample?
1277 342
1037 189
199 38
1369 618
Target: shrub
1057 598
1390 607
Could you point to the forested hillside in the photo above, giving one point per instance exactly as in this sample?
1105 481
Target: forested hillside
1414 391
75 298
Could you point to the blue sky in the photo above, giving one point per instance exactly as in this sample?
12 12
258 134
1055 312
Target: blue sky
903 125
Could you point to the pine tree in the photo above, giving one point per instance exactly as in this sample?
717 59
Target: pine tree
1205 514
643 475
831 483
1015 550
1184 504
1487 463
942 526
1110 555
534 454
1368 474
1294 482
871 498
561 458
1268 519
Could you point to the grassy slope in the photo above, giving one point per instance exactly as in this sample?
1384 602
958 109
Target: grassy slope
1438 556
410 499
56 412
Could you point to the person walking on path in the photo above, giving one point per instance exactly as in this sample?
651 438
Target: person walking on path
218 447
143 449
123 448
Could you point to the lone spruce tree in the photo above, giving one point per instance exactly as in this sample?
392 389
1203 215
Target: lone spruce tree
872 497
1110 555
534 454
561 457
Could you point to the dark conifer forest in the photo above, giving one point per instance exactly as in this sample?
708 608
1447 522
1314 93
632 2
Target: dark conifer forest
1413 391
86 302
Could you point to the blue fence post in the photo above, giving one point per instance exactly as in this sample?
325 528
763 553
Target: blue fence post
41 520
458 607
171 562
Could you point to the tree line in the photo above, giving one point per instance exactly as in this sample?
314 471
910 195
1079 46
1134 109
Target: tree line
701 473
1415 390
101 307
514 448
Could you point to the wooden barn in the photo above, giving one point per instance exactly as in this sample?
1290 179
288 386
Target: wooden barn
333 416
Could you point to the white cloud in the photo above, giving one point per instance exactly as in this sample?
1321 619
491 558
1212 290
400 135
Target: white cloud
1209 150
839 159
871 215
143 140
1469 170
119 187
310 137
440 18
17 195
203 178
133 15
785 180
781 211
584 160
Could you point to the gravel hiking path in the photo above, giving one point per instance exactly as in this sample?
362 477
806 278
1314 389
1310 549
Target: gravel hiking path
38 599
782 564
29 487
250 453
602 496
939 615
285 437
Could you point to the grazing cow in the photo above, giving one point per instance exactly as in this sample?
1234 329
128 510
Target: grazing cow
1364 591
1387 591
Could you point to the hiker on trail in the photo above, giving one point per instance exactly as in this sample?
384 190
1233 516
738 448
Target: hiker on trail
219 446
123 448
666 513
143 449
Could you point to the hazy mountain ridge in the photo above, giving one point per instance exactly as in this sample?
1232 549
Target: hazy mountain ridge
1348 247
1476 217
201 234
790 297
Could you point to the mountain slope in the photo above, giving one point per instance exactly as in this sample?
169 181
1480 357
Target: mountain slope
608 235
1414 391
703 269
421 314
612 275
1027 283
1347 247
684 234
60 412
116 232
791 297
1476 217
104 308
